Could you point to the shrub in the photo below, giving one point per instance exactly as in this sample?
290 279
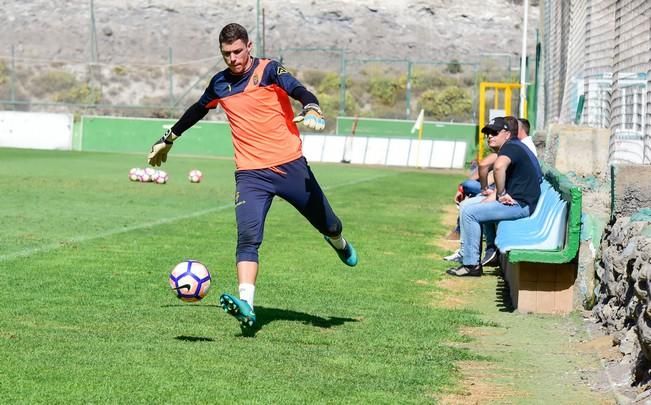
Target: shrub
330 105
313 77
81 93
120 71
4 72
450 103
454 67
55 81
385 90
329 84
430 79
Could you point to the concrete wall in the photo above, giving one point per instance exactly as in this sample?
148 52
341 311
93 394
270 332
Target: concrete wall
35 130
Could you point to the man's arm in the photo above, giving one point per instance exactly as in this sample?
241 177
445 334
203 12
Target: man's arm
160 149
191 116
499 173
485 166
304 96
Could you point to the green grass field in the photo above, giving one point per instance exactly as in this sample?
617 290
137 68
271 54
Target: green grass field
87 315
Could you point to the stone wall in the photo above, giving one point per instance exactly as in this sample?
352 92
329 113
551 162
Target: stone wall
632 190
624 292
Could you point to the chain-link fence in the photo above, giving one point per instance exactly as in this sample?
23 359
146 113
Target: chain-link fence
345 85
596 71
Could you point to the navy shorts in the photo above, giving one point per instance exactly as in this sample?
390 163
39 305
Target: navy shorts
296 184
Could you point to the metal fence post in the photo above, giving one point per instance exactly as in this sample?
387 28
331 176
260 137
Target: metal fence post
342 84
408 91
170 76
13 76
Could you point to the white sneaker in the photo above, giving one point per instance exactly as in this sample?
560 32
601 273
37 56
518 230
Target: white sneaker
454 257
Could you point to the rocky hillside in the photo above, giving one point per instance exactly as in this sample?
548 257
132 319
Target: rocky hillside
131 45
144 31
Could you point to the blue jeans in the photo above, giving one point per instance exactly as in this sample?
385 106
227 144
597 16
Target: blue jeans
471 187
474 214
489 229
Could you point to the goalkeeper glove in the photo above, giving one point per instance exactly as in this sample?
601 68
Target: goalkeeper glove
312 117
159 150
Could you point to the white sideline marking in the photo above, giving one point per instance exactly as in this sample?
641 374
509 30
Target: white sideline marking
53 246
80 239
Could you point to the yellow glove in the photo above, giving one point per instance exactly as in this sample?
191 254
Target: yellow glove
159 150
312 117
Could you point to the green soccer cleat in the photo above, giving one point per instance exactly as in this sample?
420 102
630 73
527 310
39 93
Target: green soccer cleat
239 309
347 255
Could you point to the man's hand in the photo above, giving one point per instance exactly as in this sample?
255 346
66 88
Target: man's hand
490 195
159 150
506 199
312 117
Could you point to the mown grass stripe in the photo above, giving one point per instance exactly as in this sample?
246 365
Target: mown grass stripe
112 232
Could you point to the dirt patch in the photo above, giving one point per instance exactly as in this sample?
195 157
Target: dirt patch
529 358
454 294
477 389
602 347
449 220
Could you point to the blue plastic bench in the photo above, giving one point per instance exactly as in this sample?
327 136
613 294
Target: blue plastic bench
539 252
543 230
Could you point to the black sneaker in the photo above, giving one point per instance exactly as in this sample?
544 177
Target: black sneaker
491 258
466 271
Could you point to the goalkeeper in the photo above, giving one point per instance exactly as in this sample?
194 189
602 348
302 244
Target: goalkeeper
254 93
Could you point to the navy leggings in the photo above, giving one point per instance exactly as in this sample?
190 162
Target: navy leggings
295 183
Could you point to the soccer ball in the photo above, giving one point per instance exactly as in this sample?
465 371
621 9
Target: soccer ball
195 176
160 177
190 280
149 175
143 176
133 174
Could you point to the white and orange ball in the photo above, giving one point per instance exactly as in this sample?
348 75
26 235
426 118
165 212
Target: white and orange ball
190 280
195 176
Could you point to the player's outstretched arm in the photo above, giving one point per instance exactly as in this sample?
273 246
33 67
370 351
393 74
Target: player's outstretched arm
312 117
161 148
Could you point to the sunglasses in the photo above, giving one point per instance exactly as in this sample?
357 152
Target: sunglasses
490 134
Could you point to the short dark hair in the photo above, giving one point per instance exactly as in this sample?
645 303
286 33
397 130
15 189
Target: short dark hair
232 32
524 123
512 124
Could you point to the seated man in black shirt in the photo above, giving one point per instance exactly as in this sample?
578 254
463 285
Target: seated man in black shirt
517 177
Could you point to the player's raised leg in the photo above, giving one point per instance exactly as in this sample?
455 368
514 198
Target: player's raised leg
302 190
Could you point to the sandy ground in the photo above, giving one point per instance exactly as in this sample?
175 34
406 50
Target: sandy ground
534 358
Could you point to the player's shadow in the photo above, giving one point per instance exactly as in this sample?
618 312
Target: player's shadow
266 315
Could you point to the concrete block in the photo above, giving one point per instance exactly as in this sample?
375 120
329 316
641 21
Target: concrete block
581 150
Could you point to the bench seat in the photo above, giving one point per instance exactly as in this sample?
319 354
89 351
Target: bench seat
538 253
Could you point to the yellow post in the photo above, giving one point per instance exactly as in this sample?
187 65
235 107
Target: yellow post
505 89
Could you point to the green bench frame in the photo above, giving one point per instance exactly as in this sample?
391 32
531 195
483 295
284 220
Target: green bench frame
573 196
